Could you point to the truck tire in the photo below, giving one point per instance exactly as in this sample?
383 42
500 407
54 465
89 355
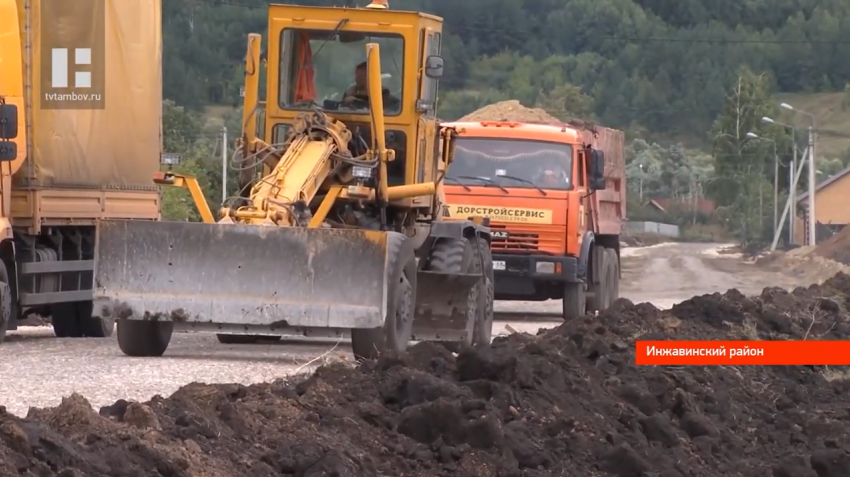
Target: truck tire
141 338
459 256
574 301
483 332
7 302
613 291
394 335
245 339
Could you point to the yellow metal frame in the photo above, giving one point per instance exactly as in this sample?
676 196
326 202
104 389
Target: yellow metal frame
191 184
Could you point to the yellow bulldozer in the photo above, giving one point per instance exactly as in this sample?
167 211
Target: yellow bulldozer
338 232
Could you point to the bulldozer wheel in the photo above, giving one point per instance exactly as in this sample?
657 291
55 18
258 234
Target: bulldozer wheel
245 339
401 294
144 338
65 320
483 331
7 303
575 300
460 256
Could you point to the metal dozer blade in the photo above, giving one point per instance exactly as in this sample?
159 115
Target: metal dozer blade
151 276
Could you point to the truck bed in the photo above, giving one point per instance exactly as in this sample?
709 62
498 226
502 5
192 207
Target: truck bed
611 202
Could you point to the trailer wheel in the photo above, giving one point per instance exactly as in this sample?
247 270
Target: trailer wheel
7 304
575 300
141 338
245 339
394 335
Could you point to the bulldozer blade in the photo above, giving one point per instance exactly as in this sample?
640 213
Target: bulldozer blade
240 274
441 301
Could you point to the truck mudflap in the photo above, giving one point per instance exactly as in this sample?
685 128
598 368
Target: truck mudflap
442 305
240 274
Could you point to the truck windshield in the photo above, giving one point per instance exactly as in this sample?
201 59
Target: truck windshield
514 163
321 69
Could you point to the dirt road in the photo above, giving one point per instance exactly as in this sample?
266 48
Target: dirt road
38 369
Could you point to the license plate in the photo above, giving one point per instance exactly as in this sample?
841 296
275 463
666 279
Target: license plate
498 265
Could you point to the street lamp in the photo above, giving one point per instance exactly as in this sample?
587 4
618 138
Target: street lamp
775 178
811 211
792 186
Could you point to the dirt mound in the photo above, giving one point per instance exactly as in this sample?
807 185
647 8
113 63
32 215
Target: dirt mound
510 111
837 247
566 402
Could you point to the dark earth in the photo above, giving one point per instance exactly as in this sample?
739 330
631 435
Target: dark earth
568 402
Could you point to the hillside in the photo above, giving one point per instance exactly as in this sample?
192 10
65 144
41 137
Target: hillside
829 113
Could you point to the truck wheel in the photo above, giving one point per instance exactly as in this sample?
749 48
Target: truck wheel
245 339
575 300
459 256
7 302
65 320
613 291
395 334
483 331
144 338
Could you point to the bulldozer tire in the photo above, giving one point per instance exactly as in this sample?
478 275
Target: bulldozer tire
575 300
460 256
144 338
245 339
395 334
7 302
483 332
65 320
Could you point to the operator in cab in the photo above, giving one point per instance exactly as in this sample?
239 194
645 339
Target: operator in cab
357 96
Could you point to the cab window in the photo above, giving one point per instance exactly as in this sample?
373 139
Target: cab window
318 69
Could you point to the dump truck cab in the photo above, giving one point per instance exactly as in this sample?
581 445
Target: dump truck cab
554 209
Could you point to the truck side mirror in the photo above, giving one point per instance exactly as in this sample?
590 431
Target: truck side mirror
434 67
8 121
597 170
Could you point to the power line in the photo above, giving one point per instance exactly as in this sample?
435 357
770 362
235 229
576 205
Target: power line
627 39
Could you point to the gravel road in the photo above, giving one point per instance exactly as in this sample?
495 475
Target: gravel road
39 369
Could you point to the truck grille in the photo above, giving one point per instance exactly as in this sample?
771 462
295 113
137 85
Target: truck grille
515 241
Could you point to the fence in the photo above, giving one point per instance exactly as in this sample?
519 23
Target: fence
653 228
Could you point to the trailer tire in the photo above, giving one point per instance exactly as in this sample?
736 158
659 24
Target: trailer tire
140 338
394 335
245 339
574 301
7 302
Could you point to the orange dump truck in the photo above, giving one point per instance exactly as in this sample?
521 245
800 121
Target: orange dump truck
555 195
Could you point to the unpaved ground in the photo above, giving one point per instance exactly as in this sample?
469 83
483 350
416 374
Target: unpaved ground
38 369
565 403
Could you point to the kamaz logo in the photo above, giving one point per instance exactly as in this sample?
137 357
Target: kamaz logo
499 235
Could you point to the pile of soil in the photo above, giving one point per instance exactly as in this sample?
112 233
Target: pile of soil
510 111
568 402
837 248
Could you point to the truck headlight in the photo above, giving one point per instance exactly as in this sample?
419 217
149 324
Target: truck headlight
545 267
361 172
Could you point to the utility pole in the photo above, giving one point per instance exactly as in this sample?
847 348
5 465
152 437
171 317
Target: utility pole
811 214
775 188
640 182
792 187
223 164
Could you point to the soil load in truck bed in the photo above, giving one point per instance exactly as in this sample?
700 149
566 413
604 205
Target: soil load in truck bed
568 402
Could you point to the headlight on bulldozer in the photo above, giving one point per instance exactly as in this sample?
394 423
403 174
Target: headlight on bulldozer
545 267
361 172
